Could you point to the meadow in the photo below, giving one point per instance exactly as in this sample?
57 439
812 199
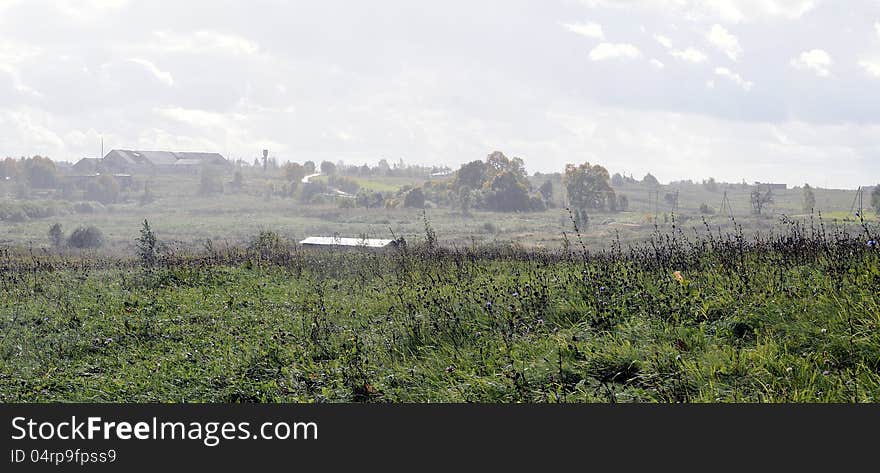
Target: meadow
689 314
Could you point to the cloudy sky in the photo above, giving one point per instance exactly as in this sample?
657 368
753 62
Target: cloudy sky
769 90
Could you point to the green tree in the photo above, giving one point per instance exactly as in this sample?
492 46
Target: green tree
309 167
41 172
9 169
328 168
588 186
497 163
56 235
294 171
508 193
146 246
465 199
809 199
759 200
105 190
471 175
546 190
650 180
415 199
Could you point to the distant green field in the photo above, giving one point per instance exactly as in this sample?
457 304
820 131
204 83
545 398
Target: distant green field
180 216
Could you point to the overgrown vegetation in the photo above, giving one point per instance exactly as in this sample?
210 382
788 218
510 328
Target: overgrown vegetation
689 316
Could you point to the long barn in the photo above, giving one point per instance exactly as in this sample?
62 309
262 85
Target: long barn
335 241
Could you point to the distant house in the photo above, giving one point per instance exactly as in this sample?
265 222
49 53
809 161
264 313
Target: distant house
339 242
772 186
149 162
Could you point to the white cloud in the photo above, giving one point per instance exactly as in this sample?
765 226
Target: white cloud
162 76
816 60
872 67
690 55
877 28
732 11
590 30
663 40
657 63
606 51
199 118
17 83
725 42
736 78
204 41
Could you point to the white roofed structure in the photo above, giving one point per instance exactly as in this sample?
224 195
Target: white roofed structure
346 242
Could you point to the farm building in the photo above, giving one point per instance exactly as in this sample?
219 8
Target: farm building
339 242
150 162
772 185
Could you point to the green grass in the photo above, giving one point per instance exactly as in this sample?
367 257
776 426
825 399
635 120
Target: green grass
179 215
745 323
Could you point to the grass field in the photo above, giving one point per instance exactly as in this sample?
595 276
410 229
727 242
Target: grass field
180 215
712 317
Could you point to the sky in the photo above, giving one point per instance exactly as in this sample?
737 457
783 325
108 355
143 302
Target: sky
756 90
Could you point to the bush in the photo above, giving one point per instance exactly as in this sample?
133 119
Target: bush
86 237
267 245
414 199
88 207
104 190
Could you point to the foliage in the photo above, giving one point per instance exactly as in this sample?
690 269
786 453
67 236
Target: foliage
588 187
508 193
809 198
415 199
105 189
147 246
56 235
650 180
546 190
328 168
294 172
86 237
471 175
40 172
759 200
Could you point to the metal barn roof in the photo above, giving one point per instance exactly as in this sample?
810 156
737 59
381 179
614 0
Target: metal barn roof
338 241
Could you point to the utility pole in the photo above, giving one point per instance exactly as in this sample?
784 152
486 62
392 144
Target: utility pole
725 205
857 202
